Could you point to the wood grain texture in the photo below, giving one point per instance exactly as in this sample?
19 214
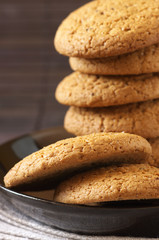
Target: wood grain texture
30 68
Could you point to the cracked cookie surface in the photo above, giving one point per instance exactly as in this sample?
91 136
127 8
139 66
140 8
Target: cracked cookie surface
71 154
114 183
83 90
145 60
137 118
108 28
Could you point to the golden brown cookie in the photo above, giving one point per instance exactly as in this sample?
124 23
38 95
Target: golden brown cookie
138 118
145 60
83 90
108 28
75 153
154 159
114 183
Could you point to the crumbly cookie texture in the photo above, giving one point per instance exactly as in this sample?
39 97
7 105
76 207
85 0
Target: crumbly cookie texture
108 28
114 183
137 118
83 90
79 152
145 60
154 159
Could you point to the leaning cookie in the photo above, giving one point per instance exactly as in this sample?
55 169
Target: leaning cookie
114 183
137 118
83 90
108 28
145 60
154 159
78 153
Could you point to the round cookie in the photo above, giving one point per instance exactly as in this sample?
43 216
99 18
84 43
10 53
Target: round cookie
83 90
154 159
145 60
114 183
108 28
75 153
138 118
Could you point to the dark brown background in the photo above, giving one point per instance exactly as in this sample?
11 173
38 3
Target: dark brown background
30 69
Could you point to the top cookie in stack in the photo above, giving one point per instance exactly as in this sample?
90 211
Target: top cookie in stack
108 28
114 48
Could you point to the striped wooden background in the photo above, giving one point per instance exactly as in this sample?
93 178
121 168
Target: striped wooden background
30 69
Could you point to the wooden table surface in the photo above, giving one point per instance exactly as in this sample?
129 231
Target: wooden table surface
30 68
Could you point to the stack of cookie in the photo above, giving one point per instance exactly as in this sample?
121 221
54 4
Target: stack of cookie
114 49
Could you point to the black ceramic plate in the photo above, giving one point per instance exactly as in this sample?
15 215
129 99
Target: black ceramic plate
127 218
